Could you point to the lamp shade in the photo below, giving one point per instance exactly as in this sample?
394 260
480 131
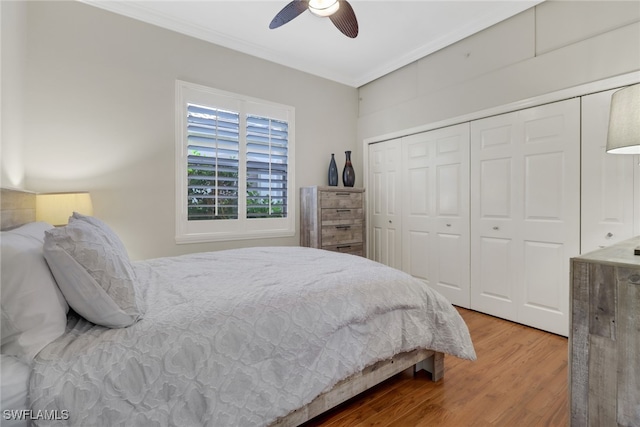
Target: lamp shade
56 208
624 121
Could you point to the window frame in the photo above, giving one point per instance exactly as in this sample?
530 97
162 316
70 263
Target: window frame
198 231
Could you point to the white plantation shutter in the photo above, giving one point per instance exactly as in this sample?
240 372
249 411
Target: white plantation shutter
234 166
213 146
267 157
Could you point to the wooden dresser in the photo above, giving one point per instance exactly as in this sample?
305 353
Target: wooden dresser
332 218
604 341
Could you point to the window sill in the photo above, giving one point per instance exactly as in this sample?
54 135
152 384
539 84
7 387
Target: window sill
225 237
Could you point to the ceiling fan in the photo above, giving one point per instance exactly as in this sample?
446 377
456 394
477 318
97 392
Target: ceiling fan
339 11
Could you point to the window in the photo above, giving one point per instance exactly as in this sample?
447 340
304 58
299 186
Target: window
234 166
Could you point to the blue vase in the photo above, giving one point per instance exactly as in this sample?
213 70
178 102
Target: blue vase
348 174
333 172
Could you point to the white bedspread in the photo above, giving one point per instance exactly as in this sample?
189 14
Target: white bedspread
240 338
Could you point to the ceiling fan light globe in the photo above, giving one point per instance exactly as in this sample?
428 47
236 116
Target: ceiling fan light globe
323 8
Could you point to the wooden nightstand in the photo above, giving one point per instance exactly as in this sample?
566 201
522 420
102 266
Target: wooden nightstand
604 344
332 218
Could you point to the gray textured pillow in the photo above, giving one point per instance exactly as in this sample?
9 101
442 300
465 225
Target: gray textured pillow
94 273
106 231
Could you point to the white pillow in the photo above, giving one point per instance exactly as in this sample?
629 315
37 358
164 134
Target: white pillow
108 233
14 388
34 311
93 273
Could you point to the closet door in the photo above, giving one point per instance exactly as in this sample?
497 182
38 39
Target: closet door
435 210
525 213
608 183
495 235
384 203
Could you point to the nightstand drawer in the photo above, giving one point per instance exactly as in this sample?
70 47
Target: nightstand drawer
338 215
340 199
341 234
353 249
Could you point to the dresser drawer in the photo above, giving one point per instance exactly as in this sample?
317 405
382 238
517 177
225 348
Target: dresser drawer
353 249
340 199
333 218
340 215
341 234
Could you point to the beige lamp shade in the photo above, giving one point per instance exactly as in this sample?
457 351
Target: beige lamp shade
624 121
56 208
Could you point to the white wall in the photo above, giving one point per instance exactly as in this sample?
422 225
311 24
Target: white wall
556 45
99 116
13 47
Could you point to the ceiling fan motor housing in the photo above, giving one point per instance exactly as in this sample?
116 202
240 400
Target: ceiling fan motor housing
323 8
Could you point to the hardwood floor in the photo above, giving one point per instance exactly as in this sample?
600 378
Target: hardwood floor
520 379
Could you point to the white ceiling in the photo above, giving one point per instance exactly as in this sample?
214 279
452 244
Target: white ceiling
391 33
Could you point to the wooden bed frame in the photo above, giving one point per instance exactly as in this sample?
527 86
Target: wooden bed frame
18 207
429 360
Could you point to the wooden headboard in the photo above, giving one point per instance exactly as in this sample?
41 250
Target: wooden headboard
16 208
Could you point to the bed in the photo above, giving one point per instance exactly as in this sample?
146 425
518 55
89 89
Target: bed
254 336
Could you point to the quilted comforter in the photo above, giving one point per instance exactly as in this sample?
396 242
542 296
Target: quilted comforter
240 338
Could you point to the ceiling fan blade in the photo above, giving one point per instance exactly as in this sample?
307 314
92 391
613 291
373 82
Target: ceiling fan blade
290 11
345 20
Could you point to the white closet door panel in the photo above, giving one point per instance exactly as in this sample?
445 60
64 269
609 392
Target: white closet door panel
543 126
493 284
376 184
545 210
496 134
417 207
449 145
608 180
525 184
543 274
376 244
417 186
436 204
391 251
551 228
452 278
552 168
495 240
393 182
451 186
418 254
495 189
496 279
448 197
543 187
384 202
544 298
451 220
417 162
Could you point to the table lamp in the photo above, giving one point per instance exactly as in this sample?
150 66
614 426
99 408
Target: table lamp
56 208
